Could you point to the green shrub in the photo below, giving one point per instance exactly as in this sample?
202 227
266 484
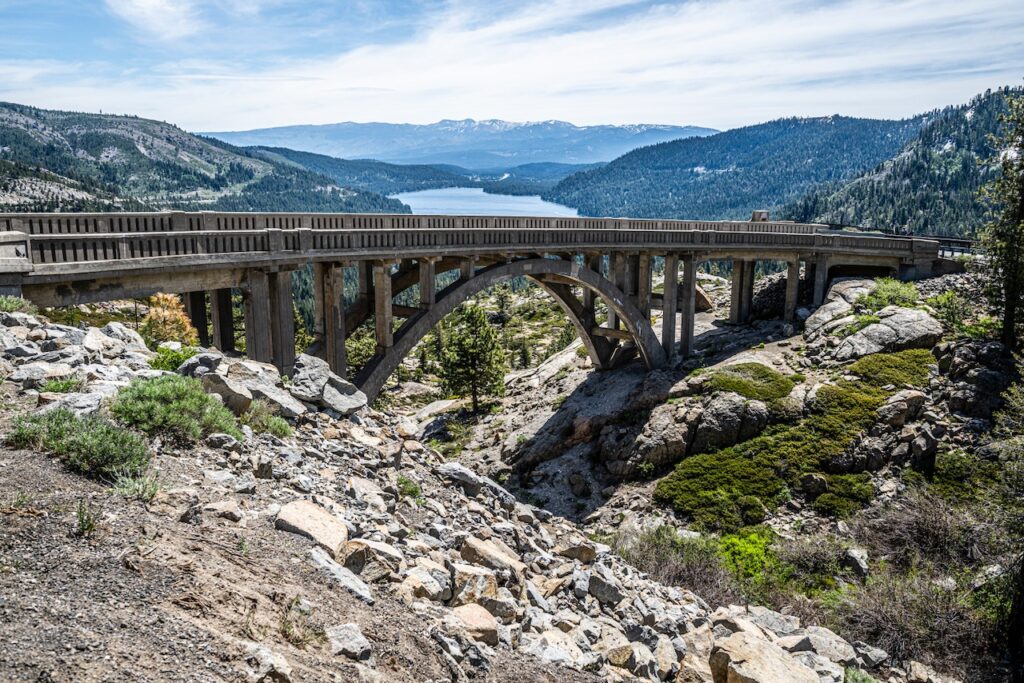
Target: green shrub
846 494
262 418
407 488
750 380
903 367
950 308
170 360
64 385
857 676
749 556
174 406
15 304
888 292
91 445
985 327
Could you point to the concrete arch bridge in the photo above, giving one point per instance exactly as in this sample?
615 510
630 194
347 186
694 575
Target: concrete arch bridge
69 259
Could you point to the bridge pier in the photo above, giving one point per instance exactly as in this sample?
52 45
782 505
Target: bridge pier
222 316
820 278
282 321
688 305
669 304
329 294
742 295
792 289
383 316
195 306
643 285
428 282
258 344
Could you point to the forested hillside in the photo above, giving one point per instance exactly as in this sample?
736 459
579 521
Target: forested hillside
66 161
726 176
930 187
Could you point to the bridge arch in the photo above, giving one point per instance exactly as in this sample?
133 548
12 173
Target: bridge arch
555 276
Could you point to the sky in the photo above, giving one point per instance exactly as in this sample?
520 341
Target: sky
238 64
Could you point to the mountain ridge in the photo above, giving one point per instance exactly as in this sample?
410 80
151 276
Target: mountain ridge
473 144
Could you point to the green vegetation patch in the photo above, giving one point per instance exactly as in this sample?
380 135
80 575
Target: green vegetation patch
262 418
174 406
859 323
15 304
171 360
63 385
91 445
750 380
888 292
716 489
846 494
903 367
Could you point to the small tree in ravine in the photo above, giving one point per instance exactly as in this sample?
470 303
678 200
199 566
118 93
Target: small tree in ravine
1003 236
473 361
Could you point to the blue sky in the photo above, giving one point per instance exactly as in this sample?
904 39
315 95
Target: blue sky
237 64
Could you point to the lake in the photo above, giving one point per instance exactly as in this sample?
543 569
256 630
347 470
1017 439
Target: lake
473 201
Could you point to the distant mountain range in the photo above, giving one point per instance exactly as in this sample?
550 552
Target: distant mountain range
929 187
67 161
726 176
490 146
385 178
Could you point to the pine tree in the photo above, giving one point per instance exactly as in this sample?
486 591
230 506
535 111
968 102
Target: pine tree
473 361
1003 238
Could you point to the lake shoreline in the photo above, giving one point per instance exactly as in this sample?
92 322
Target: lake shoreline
470 201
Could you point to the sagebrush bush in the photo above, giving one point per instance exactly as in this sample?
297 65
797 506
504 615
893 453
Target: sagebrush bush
174 406
888 292
15 304
262 418
750 380
91 445
167 321
674 560
171 360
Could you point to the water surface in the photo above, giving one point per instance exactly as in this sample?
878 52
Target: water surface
473 201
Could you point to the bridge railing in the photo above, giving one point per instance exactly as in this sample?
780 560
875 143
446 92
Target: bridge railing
50 239
94 223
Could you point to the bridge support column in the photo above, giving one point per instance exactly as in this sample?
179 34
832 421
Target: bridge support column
467 268
282 321
591 262
820 278
688 305
742 291
670 303
792 290
617 274
223 320
428 282
383 316
196 306
329 290
643 285
258 344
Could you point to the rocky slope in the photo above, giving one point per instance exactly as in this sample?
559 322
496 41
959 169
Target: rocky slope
347 550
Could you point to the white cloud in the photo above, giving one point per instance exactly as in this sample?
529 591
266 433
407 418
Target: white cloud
164 19
720 64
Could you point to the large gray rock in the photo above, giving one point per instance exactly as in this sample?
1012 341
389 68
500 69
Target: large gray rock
838 303
313 382
306 518
343 577
728 419
348 640
130 338
474 483
896 330
745 658
662 440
